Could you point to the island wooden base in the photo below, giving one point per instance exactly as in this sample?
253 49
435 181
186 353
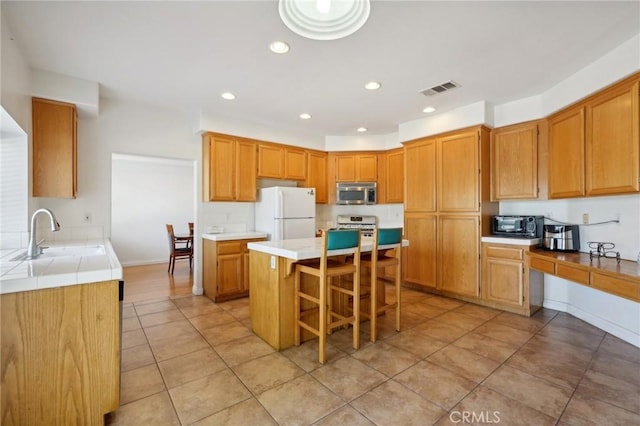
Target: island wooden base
272 298
60 355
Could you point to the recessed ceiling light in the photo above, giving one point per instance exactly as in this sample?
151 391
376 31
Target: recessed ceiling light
372 85
429 109
322 19
305 116
228 96
362 129
279 47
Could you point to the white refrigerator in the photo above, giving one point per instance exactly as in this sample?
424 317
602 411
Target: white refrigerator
286 212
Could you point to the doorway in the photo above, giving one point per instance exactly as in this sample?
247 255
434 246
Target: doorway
146 194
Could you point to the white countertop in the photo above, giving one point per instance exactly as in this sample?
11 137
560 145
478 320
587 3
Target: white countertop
306 248
515 241
228 236
76 265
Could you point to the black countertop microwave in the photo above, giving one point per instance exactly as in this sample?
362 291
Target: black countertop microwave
518 226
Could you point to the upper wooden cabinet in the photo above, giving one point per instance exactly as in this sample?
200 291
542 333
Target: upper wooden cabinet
594 146
281 162
55 149
295 164
270 161
394 176
566 153
612 141
420 175
356 167
514 162
459 172
317 175
228 168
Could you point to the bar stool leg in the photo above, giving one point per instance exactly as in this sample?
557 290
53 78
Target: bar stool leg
374 302
322 320
397 284
296 308
356 310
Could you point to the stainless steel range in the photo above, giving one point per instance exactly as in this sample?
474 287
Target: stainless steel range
366 224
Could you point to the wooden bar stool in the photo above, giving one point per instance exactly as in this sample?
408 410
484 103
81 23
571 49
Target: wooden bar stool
334 243
386 239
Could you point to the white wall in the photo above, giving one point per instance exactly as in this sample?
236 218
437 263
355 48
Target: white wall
146 194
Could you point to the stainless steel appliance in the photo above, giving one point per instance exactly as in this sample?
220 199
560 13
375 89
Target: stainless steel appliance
518 226
354 193
561 237
366 224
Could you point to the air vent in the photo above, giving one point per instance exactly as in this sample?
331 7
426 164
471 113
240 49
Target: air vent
440 88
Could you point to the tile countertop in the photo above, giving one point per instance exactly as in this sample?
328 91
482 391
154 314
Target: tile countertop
516 241
306 248
61 270
228 236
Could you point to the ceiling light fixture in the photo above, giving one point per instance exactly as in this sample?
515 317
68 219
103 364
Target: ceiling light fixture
228 96
305 116
362 129
429 109
372 85
279 47
324 19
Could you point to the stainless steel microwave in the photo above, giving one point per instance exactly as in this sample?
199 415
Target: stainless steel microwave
354 193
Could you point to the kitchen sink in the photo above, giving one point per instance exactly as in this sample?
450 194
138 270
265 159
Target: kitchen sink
73 251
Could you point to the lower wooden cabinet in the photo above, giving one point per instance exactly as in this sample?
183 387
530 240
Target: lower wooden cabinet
225 269
60 358
507 282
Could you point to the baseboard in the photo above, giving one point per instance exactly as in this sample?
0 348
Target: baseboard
603 324
144 262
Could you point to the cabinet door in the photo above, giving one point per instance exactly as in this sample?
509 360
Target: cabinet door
459 255
514 162
54 149
366 168
420 176
295 164
246 171
419 258
221 168
503 281
317 175
394 176
613 142
459 173
566 154
270 161
230 273
345 168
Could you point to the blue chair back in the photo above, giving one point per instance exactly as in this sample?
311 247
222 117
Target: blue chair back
342 239
388 236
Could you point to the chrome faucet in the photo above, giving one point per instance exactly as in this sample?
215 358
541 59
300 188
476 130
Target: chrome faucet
32 251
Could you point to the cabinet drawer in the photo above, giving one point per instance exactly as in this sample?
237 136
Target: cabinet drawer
573 274
505 253
624 288
230 247
542 265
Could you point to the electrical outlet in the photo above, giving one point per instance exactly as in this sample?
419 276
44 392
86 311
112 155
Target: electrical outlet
87 217
585 218
273 262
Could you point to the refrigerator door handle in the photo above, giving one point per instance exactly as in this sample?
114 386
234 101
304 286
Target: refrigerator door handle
279 204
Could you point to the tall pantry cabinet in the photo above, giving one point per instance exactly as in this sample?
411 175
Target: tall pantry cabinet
447 209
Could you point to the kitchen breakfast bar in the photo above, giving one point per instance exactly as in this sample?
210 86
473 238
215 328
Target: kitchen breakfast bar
271 284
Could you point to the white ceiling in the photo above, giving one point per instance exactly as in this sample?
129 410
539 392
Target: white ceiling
184 54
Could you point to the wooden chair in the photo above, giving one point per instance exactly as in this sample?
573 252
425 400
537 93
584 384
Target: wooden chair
178 249
334 242
386 239
190 228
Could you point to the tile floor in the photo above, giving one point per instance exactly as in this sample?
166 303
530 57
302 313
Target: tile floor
189 361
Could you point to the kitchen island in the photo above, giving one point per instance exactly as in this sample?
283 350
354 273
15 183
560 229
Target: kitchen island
272 266
60 340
